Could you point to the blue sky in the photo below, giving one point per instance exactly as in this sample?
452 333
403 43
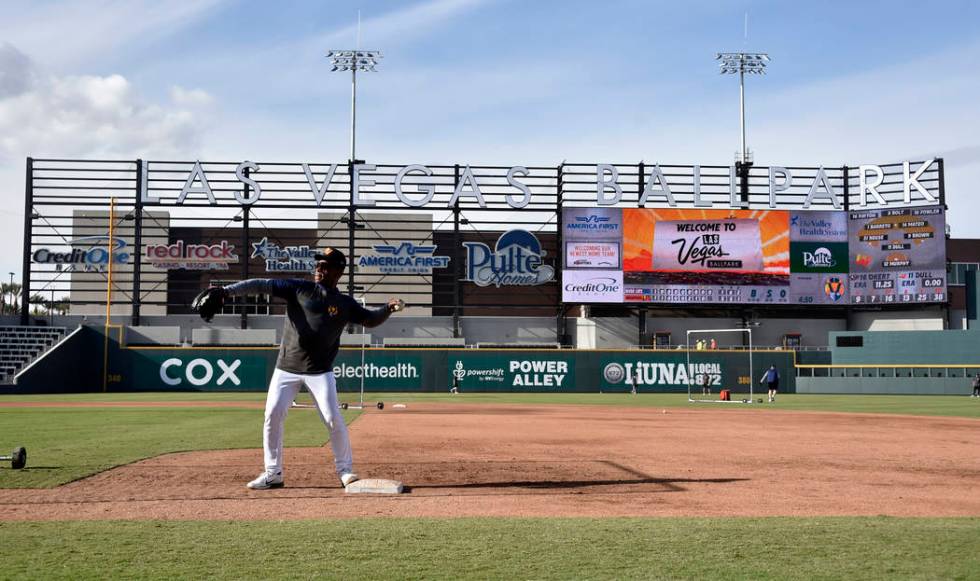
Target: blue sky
489 81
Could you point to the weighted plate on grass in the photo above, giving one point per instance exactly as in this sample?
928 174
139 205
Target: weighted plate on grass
17 458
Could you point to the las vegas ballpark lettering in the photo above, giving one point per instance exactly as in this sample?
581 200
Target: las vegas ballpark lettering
609 192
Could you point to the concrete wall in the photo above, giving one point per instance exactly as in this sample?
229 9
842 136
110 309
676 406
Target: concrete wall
924 319
886 385
624 332
145 335
909 347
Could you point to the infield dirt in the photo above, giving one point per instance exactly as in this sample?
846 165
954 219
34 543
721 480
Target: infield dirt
562 460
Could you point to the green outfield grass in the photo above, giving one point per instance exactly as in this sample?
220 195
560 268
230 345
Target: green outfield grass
930 405
65 444
720 548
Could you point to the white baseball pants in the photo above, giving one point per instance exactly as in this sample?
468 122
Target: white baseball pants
283 388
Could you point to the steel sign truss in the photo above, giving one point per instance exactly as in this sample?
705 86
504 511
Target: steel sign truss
452 240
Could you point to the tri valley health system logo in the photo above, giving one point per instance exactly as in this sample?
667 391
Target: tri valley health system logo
405 258
285 258
516 260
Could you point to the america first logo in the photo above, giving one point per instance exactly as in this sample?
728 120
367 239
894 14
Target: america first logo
593 223
405 258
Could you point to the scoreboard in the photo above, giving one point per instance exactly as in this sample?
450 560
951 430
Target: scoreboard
745 257
897 256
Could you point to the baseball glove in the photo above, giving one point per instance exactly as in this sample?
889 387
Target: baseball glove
209 302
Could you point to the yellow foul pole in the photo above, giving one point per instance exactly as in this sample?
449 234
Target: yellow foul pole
108 298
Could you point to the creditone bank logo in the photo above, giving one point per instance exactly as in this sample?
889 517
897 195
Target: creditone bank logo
516 260
592 286
819 258
406 258
87 252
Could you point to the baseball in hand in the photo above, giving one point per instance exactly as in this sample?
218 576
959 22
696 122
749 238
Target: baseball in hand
396 305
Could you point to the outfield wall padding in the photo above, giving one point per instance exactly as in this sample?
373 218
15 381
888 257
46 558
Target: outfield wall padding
411 370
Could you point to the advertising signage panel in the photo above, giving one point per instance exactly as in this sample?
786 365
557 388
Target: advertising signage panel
705 256
745 257
897 256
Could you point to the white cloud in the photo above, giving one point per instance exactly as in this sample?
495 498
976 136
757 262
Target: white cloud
398 25
89 116
190 97
66 34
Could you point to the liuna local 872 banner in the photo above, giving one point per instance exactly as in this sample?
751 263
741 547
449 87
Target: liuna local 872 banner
705 256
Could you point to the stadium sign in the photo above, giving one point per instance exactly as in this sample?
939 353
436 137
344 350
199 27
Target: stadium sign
656 186
200 372
592 286
516 260
496 372
285 258
88 252
403 258
191 256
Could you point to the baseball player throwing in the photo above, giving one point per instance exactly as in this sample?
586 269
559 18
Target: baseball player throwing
316 314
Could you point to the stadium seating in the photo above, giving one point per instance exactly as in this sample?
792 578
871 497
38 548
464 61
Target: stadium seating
19 346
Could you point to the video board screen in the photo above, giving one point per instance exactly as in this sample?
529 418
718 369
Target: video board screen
705 256
898 256
746 257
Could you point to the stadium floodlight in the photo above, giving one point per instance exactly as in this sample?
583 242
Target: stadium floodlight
353 61
742 63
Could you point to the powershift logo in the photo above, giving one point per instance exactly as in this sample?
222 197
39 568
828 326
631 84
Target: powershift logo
515 261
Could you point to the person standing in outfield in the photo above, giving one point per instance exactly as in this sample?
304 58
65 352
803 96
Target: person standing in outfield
316 314
771 378
976 385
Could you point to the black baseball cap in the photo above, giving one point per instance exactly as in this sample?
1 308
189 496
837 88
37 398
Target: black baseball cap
332 256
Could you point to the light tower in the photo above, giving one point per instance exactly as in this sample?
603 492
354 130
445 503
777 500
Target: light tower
353 61
753 63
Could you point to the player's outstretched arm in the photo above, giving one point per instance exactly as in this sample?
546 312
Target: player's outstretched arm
260 286
374 317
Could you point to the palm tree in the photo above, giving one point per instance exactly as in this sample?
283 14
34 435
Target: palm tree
12 289
39 303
